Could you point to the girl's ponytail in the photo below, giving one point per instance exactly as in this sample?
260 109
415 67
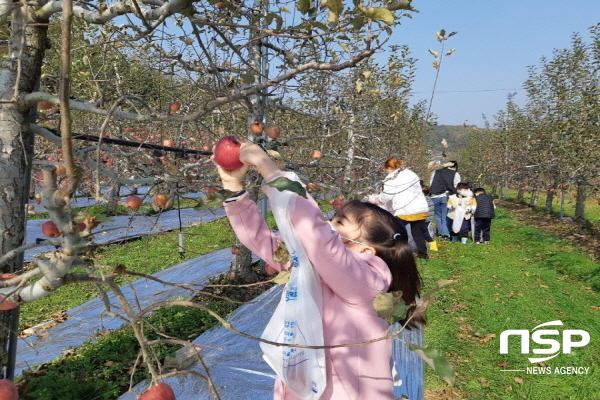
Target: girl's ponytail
389 239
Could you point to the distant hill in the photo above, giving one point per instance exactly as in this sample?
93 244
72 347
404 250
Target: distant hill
455 135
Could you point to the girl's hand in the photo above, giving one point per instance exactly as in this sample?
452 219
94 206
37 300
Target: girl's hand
232 180
253 154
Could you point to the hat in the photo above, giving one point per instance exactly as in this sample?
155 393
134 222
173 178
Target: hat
451 164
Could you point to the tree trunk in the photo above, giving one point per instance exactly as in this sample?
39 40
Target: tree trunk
520 194
20 71
549 201
581 196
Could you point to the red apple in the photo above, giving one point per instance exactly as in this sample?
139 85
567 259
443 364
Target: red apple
44 105
8 390
235 250
129 130
38 202
175 107
256 127
337 204
227 153
30 207
6 305
161 391
81 226
161 201
273 131
316 155
133 202
168 143
222 5
50 230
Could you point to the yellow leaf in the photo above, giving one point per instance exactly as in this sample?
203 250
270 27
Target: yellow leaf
282 277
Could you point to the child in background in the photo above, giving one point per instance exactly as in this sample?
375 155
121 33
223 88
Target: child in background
363 252
459 213
483 211
429 229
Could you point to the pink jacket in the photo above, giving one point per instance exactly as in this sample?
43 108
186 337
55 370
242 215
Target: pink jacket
350 281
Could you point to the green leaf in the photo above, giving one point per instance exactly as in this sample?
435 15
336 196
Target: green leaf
380 14
400 5
282 183
452 34
282 277
335 9
390 306
436 361
303 6
344 46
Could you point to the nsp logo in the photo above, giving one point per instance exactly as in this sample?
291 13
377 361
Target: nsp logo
538 337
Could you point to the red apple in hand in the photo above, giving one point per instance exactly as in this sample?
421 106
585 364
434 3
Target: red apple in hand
162 391
8 390
50 230
227 153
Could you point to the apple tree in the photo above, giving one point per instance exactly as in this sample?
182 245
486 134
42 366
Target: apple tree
222 59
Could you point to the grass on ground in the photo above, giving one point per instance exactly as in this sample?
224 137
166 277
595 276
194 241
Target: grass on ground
524 278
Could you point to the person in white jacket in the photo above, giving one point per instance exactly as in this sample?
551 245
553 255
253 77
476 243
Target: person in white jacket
403 197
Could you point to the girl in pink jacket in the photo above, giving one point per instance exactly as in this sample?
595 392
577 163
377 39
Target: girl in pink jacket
365 253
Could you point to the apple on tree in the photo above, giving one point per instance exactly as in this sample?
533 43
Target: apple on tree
273 132
49 229
161 201
133 202
6 305
175 107
256 127
316 154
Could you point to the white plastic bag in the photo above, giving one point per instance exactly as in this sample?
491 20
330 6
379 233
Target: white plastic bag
298 317
459 216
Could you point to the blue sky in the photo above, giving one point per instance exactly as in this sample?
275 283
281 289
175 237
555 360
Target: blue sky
496 41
